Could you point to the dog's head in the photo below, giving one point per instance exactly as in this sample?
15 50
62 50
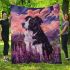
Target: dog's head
26 23
32 23
35 23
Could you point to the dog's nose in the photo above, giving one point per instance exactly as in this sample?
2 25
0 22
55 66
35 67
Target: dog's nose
23 24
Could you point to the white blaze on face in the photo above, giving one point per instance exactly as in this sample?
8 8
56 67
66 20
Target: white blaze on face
26 24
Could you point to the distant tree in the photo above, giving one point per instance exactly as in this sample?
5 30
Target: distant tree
65 6
24 1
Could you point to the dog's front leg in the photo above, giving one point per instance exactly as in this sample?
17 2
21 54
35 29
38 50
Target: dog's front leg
34 37
36 42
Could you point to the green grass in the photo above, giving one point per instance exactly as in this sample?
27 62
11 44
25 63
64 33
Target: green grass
33 66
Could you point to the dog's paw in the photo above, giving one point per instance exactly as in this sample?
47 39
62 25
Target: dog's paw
34 37
34 43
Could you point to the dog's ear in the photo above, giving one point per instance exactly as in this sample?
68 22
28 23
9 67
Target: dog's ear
38 20
28 18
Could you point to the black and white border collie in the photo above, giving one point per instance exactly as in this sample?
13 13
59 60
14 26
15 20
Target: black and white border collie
28 34
39 39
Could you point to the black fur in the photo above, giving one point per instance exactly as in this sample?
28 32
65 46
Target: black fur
34 25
